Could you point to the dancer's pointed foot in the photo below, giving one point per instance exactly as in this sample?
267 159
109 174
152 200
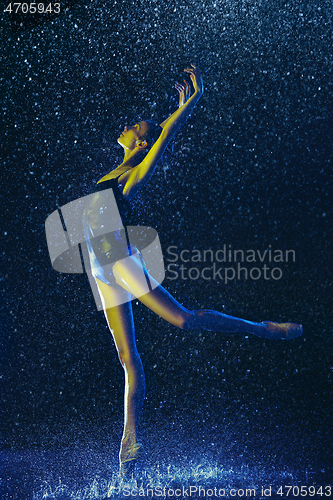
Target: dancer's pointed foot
128 458
283 331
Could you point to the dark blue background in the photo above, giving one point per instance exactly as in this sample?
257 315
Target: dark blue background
251 168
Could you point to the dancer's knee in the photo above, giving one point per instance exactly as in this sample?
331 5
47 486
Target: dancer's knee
130 361
190 321
195 320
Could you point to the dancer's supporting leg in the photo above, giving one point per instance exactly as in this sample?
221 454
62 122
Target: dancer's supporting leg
120 322
128 274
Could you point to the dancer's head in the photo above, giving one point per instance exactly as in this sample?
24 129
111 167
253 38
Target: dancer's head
140 136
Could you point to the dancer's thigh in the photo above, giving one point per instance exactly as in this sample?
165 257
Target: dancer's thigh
129 275
119 317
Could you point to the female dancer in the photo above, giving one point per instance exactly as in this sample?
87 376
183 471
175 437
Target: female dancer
123 280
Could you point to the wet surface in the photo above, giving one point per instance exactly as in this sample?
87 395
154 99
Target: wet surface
90 475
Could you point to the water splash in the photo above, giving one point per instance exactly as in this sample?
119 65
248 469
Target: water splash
193 480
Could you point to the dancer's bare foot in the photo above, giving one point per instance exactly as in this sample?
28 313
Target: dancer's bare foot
283 331
128 456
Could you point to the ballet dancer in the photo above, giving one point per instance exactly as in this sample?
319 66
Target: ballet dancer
144 144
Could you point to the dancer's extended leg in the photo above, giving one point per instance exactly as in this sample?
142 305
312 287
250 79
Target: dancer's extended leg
162 303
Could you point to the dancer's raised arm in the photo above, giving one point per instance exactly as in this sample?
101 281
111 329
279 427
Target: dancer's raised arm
184 95
142 172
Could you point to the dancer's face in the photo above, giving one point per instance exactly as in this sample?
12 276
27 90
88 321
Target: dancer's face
133 135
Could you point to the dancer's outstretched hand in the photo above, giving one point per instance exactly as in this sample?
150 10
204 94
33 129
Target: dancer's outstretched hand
184 92
196 78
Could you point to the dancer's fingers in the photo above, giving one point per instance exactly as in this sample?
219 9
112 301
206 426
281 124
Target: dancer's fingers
194 68
180 88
